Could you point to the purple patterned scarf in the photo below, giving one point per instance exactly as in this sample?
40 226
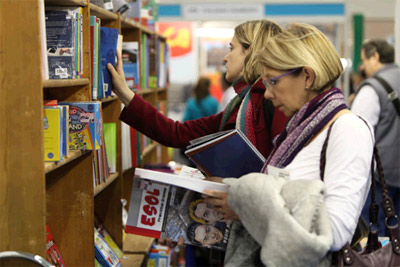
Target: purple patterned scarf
303 125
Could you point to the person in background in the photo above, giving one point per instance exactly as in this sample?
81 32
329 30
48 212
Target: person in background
372 103
248 111
229 92
202 104
299 68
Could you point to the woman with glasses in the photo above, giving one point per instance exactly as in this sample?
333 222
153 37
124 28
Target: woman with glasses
299 68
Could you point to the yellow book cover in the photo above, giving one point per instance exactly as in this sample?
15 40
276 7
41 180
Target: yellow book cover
52 134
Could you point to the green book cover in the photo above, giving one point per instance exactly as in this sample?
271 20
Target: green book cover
110 140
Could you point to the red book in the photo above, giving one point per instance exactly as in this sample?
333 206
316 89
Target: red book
53 255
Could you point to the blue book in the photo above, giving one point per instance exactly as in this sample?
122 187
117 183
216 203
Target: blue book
225 154
108 43
130 59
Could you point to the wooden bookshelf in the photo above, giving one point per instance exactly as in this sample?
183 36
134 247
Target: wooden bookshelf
60 194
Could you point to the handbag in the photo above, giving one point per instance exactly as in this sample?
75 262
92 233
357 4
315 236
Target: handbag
373 254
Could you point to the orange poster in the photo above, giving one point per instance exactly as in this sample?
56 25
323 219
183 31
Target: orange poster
179 37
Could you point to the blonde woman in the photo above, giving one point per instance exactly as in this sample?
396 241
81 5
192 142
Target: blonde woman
299 68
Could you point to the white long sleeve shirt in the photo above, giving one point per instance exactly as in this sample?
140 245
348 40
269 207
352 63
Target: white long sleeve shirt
366 104
347 173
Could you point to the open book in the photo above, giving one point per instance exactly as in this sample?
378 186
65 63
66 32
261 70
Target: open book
225 154
168 205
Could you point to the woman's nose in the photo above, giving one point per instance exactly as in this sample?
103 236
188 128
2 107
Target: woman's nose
268 93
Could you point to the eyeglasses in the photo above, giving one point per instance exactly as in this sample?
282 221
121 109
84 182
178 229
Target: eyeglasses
270 83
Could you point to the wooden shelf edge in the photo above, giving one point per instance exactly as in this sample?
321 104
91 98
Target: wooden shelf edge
101 187
134 260
137 244
108 99
66 2
102 13
65 83
128 22
74 154
148 149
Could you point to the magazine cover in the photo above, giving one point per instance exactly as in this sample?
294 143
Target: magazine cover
163 210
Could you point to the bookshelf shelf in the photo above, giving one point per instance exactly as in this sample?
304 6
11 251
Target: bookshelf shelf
127 23
137 243
109 99
74 154
102 13
65 83
133 259
101 187
65 2
149 150
144 92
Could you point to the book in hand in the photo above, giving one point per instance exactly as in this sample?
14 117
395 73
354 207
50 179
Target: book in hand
225 154
166 205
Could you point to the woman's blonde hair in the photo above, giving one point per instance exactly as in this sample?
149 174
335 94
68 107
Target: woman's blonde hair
252 35
302 45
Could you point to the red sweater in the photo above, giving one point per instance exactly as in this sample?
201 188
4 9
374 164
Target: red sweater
142 116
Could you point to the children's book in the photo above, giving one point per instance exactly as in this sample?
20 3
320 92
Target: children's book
84 125
53 255
103 253
53 123
167 205
225 154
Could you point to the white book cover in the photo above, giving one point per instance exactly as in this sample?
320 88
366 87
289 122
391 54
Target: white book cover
167 205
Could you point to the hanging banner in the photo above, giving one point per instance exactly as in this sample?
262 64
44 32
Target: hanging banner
179 37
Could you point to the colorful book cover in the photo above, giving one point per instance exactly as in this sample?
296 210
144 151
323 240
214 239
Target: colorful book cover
166 205
52 133
109 41
110 242
61 43
84 125
103 253
110 140
53 255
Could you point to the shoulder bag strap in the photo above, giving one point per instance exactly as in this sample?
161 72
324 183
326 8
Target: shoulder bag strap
392 95
391 221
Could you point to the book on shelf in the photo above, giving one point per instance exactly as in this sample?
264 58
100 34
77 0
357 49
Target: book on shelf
169 205
64 42
110 141
43 42
53 127
108 43
159 256
84 125
103 253
225 154
94 48
53 255
108 239
130 59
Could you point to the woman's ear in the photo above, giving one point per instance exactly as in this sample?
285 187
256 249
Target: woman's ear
309 77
